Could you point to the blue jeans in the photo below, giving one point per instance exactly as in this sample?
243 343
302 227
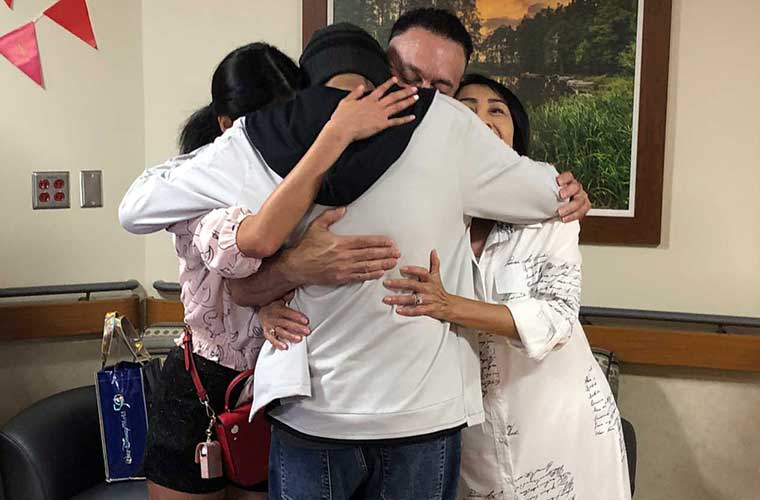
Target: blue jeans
427 470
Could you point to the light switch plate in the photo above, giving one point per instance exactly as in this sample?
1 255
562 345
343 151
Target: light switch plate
50 190
91 188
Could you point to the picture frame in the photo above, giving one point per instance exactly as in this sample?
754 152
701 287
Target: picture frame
641 223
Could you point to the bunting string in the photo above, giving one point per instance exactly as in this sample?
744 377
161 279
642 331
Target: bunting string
20 45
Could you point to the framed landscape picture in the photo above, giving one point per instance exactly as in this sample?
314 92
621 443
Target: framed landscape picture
593 75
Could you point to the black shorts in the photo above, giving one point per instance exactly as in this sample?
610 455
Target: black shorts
178 422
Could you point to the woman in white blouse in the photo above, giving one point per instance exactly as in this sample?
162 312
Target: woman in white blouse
552 428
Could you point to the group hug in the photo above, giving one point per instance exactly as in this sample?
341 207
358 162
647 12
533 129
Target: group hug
367 231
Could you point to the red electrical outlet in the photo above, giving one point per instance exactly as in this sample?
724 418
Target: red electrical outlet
50 190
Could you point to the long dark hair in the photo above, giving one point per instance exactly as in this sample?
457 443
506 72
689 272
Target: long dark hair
521 139
247 79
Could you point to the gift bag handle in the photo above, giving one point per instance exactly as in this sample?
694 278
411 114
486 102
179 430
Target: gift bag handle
131 337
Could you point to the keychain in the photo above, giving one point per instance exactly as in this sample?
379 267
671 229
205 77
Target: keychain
209 455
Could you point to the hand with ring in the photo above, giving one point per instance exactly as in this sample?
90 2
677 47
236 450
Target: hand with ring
283 325
425 295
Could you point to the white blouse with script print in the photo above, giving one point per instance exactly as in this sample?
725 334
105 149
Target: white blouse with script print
552 428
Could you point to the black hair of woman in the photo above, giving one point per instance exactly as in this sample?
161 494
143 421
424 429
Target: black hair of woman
520 119
248 78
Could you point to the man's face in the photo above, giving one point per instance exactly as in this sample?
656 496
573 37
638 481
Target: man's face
424 59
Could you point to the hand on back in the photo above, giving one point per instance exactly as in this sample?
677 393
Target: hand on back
324 258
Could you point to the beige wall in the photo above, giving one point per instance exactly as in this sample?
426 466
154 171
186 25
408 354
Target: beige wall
697 431
89 116
30 371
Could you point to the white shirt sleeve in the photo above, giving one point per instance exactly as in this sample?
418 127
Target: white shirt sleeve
498 184
213 177
547 312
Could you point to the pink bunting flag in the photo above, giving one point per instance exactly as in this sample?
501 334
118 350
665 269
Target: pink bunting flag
20 48
74 16
9 3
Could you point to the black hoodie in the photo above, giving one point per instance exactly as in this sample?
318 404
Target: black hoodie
283 133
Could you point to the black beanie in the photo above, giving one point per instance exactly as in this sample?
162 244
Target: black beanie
344 48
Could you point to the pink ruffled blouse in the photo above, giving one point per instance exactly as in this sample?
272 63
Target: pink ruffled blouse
223 331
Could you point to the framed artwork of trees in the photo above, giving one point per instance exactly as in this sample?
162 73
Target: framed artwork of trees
593 75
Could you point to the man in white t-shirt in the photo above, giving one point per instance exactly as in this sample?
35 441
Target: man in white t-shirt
374 402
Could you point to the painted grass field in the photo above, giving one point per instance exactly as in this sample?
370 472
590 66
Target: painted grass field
590 135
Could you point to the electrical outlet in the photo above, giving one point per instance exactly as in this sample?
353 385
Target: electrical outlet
91 188
50 190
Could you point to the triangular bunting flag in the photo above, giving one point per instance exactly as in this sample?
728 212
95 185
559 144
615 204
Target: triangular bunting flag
73 15
9 3
20 47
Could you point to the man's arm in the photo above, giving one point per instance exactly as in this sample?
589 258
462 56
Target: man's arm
319 258
270 283
498 184
186 188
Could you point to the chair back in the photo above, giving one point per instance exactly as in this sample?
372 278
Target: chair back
52 450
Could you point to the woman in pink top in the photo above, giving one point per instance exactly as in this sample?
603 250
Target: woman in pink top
230 243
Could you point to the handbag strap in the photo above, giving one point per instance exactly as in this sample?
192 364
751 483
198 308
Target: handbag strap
235 381
187 342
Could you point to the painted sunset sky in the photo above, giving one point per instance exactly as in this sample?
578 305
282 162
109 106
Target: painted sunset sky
497 13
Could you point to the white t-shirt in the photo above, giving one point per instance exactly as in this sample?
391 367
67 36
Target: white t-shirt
365 372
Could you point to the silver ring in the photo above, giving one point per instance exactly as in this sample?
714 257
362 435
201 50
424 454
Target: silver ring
273 332
418 299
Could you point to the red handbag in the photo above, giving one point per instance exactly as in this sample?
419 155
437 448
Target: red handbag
244 445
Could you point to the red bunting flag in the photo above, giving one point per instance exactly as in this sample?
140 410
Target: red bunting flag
20 47
73 15
9 3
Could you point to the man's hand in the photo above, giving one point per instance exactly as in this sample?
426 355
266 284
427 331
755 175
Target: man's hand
324 258
579 204
320 258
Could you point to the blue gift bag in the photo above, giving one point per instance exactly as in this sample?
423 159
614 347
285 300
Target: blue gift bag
123 420
123 392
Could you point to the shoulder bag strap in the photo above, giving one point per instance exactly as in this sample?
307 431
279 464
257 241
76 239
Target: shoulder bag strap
235 381
187 344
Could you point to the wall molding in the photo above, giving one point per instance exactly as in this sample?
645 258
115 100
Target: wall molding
693 349
62 319
631 344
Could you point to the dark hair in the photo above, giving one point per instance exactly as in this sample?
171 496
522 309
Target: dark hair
520 121
247 79
439 21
